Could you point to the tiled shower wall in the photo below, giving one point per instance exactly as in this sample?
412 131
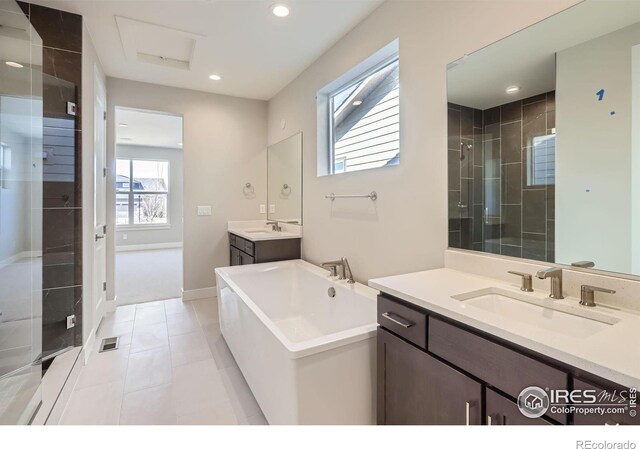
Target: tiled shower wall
61 34
465 177
493 204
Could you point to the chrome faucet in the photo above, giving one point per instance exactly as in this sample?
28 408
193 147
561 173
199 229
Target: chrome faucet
583 264
275 226
333 268
587 294
555 274
347 271
339 268
526 284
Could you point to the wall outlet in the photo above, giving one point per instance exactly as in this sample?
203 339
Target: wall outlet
263 208
272 208
204 210
125 236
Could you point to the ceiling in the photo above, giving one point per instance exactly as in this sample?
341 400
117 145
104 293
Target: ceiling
255 53
148 128
527 58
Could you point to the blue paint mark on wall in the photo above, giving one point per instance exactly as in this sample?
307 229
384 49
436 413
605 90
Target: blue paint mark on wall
600 94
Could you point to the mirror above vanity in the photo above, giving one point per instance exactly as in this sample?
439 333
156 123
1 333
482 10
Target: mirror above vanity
284 180
544 141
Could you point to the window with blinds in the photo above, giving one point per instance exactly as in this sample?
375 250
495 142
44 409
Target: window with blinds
365 121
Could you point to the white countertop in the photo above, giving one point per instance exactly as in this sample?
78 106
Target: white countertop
613 353
258 230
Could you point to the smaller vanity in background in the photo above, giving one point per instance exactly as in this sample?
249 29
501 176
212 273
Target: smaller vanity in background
259 241
278 237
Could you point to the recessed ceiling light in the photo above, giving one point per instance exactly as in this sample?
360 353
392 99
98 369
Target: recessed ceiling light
280 10
123 125
14 64
215 77
357 103
512 89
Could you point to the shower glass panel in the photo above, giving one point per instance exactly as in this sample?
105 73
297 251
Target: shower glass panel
20 216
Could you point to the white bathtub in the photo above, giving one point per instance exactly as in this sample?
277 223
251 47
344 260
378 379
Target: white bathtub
308 358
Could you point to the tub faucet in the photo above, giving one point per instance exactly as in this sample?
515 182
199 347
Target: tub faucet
346 269
333 268
555 274
340 268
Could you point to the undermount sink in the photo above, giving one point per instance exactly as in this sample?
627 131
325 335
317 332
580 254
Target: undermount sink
259 231
543 313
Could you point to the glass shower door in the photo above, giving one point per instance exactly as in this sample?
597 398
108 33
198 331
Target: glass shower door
20 216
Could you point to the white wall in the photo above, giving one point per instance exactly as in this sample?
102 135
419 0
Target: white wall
91 68
406 229
635 160
172 233
224 147
593 163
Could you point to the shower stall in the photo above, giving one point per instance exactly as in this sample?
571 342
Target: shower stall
21 173
501 177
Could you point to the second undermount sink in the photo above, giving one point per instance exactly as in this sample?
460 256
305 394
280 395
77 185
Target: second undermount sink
542 313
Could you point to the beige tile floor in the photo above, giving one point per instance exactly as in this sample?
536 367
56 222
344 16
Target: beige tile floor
173 367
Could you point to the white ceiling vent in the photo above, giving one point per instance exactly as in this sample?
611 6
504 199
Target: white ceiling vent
156 44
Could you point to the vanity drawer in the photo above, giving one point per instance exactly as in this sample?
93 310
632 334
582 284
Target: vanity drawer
402 320
594 419
497 365
248 247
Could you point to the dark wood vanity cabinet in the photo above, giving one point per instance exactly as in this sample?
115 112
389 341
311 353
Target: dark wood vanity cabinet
416 388
432 370
245 252
502 411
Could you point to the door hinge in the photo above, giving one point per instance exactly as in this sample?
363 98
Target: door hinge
104 172
104 286
71 321
104 115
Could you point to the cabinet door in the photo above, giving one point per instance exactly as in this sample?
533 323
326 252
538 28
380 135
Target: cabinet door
235 257
245 259
504 412
609 397
415 388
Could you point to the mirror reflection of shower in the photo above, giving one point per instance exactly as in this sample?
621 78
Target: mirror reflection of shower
464 147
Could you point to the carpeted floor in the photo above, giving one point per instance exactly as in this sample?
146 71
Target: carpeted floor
143 276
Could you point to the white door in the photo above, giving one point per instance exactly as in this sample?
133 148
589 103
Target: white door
100 202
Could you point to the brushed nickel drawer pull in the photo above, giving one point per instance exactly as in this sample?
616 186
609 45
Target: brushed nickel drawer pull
399 321
467 413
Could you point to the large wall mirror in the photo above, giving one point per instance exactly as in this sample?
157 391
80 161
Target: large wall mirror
544 141
284 179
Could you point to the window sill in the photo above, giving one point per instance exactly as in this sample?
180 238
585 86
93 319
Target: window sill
158 227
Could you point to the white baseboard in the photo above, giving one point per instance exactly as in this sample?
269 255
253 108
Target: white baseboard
199 293
87 349
149 246
110 306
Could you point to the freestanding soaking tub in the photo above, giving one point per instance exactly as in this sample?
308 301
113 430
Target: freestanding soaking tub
309 358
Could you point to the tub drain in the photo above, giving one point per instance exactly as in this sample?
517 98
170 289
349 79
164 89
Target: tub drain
331 292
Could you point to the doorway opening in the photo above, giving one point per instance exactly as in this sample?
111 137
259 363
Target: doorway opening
149 209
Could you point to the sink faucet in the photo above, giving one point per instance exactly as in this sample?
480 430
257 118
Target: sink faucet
587 294
340 268
275 226
555 274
